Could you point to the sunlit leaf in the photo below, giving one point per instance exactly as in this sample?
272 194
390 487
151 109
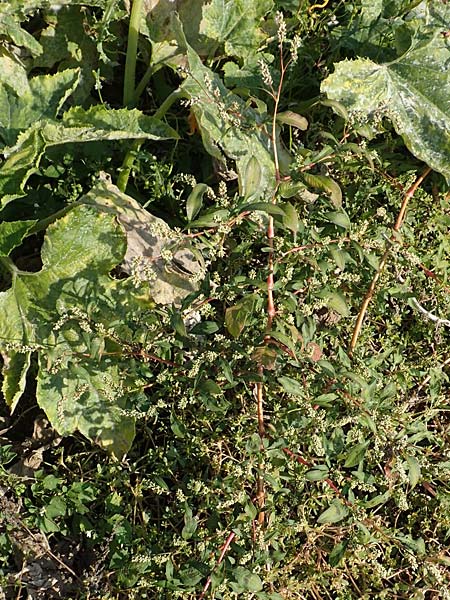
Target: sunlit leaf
236 316
74 388
334 513
412 91
288 117
12 234
414 471
325 183
195 200
356 454
235 24
43 99
148 239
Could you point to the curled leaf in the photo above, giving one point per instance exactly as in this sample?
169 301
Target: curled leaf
293 119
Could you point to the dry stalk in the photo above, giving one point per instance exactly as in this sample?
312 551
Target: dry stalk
398 223
271 308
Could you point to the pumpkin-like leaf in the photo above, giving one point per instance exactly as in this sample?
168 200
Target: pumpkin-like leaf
12 234
235 24
155 253
79 388
43 99
77 125
14 374
412 91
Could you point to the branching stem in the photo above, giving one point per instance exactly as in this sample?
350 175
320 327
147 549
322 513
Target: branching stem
398 223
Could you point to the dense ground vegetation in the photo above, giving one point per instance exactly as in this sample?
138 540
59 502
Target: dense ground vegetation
224 302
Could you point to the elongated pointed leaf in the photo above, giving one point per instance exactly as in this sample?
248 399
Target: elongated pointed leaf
334 513
288 117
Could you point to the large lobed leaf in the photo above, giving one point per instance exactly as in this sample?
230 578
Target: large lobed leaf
412 91
63 312
235 24
155 253
77 125
43 98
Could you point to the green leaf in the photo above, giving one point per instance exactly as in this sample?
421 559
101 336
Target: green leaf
99 122
337 554
208 386
65 45
15 369
338 108
340 219
412 91
13 80
235 23
10 27
190 524
334 513
250 183
288 117
291 386
337 302
291 219
78 392
229 126
43 100
195 200
212 218
21 162
289 189
377 500
326 184
236 317
356 454
12 234
78 125
414 471
339 257
318 473
205 328
267 207
247 580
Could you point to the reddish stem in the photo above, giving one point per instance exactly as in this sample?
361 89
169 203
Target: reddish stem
221 557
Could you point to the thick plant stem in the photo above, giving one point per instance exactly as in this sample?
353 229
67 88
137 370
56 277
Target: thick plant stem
130 62
128 162
370 292
127 165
